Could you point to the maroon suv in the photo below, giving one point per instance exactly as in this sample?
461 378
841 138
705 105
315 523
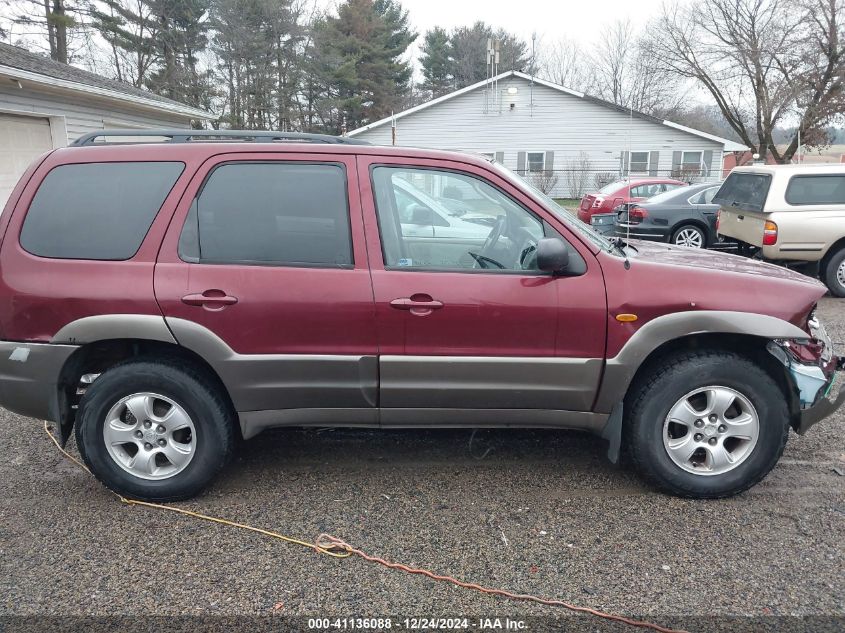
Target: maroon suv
164 298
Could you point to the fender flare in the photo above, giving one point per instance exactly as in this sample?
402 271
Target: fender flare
619 371
114 326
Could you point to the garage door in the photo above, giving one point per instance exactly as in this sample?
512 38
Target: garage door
22 139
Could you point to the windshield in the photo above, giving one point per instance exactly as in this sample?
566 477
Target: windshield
558 211
612 187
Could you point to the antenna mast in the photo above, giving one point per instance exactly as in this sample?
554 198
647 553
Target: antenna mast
627 165
491 92
533 58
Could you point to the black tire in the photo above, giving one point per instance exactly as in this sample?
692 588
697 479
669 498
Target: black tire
188 386
690 227
831 278
652 398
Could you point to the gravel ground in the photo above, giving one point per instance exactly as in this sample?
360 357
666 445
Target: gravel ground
532 511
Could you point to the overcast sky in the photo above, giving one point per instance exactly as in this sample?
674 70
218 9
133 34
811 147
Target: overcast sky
579 20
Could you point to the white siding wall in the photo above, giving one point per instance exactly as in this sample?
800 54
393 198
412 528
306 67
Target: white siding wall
557 122
82 113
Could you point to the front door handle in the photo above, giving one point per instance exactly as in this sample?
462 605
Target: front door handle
213 299
418 304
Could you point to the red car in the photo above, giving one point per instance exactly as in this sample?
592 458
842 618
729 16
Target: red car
611 196
161 300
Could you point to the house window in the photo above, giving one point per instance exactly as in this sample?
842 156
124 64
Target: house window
536 161
639 163
691 161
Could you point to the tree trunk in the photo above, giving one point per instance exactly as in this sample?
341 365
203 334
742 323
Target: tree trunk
60 17
51 29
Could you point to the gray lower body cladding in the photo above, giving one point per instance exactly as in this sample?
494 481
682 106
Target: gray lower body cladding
29 374
270 390
254 422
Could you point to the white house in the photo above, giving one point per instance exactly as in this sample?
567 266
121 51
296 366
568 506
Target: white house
45 104
565 139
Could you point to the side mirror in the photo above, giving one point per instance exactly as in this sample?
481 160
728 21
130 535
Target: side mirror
552 255
421 215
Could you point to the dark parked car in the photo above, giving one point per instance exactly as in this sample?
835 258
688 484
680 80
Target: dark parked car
161 300
685 217
611 196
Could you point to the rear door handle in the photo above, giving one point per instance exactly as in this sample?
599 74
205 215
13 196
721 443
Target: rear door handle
213 299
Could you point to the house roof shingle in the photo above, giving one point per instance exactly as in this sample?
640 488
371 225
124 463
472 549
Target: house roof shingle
16 57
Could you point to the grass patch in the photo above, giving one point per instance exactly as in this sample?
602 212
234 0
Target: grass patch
570 204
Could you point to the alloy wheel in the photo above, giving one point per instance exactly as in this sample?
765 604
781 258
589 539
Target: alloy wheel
711 430
149 436
840 274
689 237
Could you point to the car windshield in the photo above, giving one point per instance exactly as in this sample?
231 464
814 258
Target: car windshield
558 211
612 187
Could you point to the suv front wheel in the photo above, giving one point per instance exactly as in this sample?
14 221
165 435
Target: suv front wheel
706 424
153 431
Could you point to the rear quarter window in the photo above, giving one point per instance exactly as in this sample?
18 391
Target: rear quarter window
816 189
745 191
99 211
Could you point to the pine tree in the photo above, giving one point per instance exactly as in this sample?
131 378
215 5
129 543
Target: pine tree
469 51
358 61
131 30
437 63
258 44
156 43
181 36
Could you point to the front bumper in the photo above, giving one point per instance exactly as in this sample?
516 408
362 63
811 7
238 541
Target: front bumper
826 404
815 373
29 375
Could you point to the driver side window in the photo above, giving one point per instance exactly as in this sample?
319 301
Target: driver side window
441 220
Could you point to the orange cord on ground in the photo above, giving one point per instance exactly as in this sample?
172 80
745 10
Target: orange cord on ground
337 548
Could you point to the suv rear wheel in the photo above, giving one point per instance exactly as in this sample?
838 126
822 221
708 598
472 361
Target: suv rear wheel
706 424
834 274
151 430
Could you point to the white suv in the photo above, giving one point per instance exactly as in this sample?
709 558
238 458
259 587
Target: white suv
789 213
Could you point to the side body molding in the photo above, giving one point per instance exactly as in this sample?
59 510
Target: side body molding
114 326
262 382
620 370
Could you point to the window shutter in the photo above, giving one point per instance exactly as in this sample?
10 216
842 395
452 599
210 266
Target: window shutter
500 158
520 163
623 163
676 161
653 160
550 161
708 161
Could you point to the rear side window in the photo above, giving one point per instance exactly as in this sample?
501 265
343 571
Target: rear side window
819 189
270 213
96 211
744 191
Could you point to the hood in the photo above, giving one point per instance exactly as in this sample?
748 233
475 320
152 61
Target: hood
699 258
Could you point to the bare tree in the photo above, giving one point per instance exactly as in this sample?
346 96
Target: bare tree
578 174
624 73
764 62
563 62
545 180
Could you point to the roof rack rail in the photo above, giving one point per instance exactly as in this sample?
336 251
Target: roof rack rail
187 136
